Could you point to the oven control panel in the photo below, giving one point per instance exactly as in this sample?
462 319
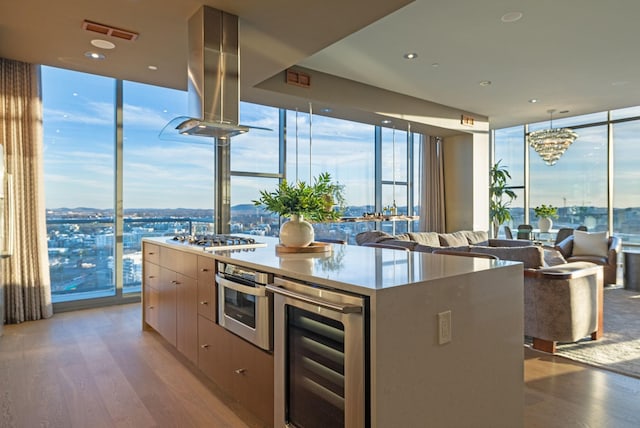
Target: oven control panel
231 271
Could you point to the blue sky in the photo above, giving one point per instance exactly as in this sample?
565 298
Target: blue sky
79 148
79 152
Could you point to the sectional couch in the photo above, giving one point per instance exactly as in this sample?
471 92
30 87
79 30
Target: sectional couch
563 301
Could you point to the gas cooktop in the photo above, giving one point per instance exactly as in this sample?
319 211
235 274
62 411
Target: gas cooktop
213 242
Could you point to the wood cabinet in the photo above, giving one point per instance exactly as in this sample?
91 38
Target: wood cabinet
207 297
187 317
167 305
239 368
252 383
214 353
170 297
150 285
180 303
150 293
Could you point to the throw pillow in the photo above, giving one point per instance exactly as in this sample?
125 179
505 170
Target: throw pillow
426 238
590 244
372 236
477 237
456 239
553 257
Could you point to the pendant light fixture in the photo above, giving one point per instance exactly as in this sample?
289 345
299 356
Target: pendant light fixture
551 143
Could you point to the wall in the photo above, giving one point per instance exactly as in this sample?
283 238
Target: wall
466 177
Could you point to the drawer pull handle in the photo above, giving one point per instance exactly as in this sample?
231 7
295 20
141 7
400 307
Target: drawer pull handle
175 282
151 253
205 346
204 270
151 276
240 371
150 307
204 302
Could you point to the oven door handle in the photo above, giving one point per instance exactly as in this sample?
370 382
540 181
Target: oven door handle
254 291
345 309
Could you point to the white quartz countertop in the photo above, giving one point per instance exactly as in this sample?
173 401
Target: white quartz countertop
364 270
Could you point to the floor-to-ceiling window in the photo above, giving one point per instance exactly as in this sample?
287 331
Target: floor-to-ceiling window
255 161
626 176
111 180
78 132
342 148
168 185
509 151
603 156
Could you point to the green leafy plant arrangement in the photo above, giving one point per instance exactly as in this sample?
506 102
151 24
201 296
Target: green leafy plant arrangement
501 196
321 201
546 211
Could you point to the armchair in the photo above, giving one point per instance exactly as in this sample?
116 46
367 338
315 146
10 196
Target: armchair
608 261
563 304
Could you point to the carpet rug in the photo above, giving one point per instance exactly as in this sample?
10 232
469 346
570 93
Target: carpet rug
619 349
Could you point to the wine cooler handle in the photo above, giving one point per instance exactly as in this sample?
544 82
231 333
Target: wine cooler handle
345 309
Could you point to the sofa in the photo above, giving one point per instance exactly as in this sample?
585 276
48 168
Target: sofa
563 300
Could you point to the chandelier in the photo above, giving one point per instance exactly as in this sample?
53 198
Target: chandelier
551 143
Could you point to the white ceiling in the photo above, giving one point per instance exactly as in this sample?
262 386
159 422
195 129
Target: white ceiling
575 55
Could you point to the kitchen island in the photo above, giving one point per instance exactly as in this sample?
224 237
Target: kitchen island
465 371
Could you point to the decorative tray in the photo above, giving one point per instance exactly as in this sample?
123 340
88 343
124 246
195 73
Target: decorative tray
314 247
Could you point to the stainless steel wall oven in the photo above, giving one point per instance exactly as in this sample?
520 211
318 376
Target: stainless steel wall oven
321 356
244 306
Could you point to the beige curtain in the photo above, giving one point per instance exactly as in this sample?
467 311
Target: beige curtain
432 211
25 274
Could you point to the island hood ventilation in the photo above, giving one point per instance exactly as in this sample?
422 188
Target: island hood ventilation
214 79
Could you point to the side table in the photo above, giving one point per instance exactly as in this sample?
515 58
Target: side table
632 270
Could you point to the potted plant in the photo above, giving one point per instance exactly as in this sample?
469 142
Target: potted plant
501 196
320 201
544 214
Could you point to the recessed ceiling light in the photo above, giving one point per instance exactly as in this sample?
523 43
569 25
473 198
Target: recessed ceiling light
152 67
435 65
386 122
102 44
533 100
94 55
326 110
485 83
511 17
410 55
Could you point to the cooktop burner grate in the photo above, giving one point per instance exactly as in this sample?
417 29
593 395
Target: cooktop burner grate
219 241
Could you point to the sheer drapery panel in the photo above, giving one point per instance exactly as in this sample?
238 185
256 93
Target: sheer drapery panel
25 275
432 208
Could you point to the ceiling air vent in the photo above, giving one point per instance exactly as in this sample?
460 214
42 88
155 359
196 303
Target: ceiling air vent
108 30
298 78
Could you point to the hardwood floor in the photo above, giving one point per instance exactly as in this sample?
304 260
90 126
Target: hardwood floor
96 368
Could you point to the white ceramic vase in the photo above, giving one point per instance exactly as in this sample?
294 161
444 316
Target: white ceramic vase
545 224
296 232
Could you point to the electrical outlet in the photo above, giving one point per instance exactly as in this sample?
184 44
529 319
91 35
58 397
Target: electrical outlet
444 327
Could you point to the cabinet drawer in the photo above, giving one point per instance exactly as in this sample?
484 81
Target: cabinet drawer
252 369
151 253
151 274
207 299
150 308
214 356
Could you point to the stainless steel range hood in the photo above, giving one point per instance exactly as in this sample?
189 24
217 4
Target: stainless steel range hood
214 79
